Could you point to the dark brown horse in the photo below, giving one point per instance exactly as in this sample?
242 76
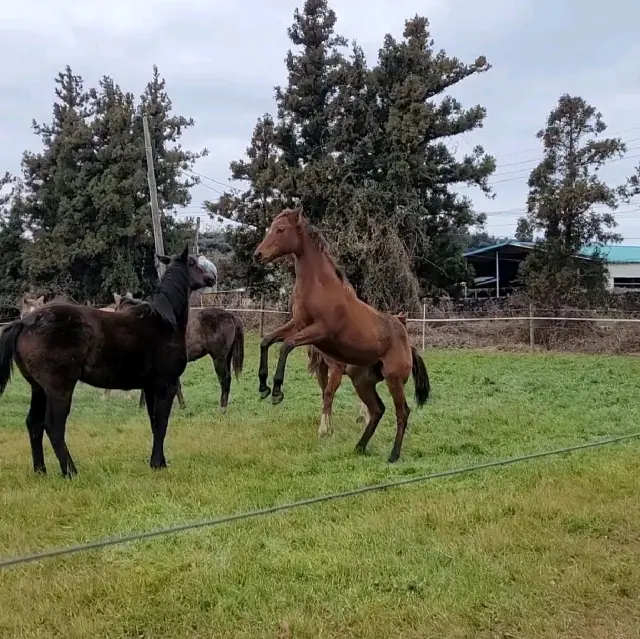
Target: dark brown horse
210 331
329 374
327 314
30 303
60 344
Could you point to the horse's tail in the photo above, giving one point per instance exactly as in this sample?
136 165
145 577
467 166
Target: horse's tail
315 360
237 348
420 378
8 341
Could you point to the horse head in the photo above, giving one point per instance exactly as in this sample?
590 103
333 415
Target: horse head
30 303
282 238
198 276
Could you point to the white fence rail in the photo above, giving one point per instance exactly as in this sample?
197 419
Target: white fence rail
424 321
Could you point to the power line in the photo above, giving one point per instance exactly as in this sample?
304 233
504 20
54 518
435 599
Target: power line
531 150
252 514
525 177
191 172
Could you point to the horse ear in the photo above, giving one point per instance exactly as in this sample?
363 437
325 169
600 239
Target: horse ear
163 258
117 298
296 214
185 253
40 300
128 295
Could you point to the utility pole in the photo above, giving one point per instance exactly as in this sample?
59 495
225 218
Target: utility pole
195 247
153 194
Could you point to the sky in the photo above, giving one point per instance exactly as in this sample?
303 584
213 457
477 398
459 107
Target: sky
221 61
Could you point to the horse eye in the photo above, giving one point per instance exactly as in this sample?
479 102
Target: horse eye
279 230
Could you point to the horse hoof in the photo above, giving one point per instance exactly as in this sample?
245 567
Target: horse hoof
277 398
359 419
393 458
265 392
360 450
158 464
223 409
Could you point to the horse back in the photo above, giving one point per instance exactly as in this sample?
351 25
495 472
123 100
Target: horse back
108 350
210 331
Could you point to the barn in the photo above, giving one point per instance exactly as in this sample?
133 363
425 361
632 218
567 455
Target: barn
496 266
623 264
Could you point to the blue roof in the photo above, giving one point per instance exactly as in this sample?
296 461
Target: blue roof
616 254
499 245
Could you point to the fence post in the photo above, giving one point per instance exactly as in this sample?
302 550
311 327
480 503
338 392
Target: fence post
424 323
262 317
532 336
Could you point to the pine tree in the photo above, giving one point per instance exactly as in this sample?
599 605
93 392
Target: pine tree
87 198
306 113
58 197
117 192
364 151
564 190
402 170
254 208
12 241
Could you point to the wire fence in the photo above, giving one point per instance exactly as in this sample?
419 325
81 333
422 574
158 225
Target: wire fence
572 330
253 514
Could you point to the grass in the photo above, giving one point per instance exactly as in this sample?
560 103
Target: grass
549 548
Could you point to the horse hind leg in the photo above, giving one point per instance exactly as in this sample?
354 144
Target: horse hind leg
180 396
223 371
396 388
36 425
365 386
58 407
333 383
363 414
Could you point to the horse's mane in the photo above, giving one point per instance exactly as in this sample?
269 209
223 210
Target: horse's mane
320 242
172 295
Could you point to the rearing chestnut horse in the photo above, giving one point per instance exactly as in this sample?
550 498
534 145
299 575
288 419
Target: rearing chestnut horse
328 315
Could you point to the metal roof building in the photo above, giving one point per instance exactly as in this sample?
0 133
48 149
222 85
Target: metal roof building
496 266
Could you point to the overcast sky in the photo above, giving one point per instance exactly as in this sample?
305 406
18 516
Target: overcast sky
221 60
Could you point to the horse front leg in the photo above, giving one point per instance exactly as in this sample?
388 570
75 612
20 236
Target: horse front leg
159 402
311 334
288 328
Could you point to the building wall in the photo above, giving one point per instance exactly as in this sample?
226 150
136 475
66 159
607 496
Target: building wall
619 270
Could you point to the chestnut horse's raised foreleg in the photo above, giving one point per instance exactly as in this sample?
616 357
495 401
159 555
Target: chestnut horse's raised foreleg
288 328
308 335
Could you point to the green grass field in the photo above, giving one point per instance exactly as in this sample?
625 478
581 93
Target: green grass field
547 548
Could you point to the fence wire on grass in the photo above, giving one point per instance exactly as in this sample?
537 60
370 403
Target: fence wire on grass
252 514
